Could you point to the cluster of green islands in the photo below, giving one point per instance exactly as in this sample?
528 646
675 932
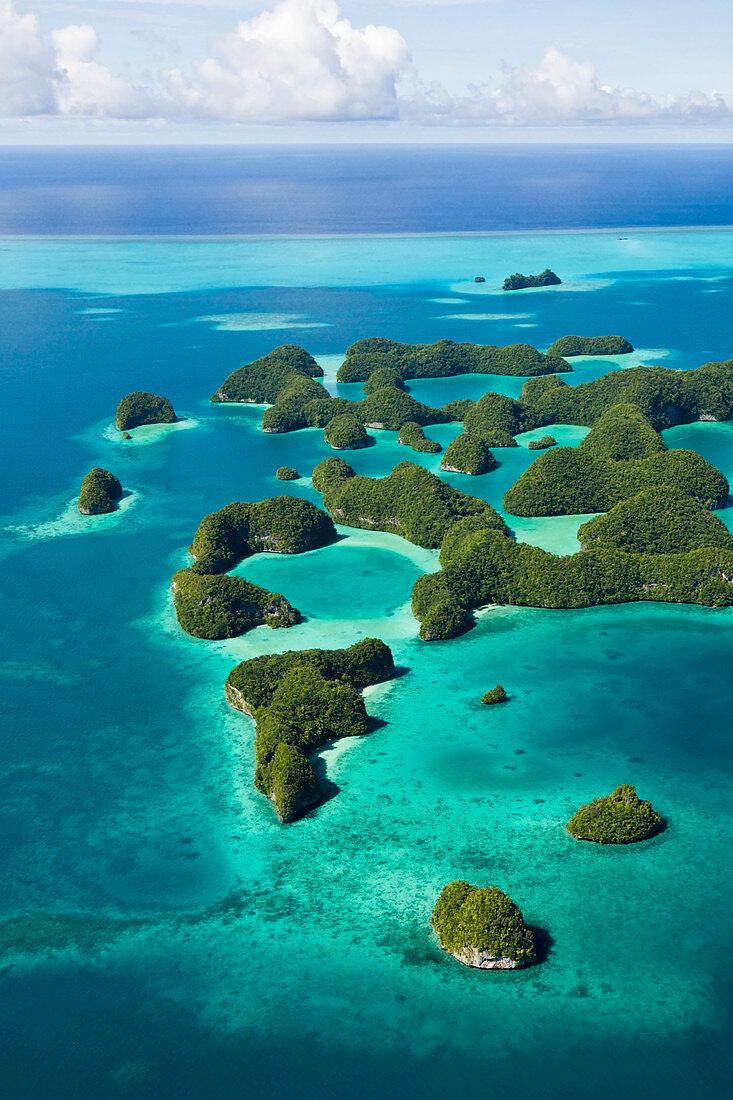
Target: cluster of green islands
655 537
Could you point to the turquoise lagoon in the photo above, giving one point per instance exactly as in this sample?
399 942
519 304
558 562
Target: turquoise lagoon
162 935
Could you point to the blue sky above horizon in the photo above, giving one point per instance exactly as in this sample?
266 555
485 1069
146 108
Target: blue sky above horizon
322 70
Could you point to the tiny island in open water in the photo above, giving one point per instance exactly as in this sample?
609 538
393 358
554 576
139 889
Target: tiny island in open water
482 927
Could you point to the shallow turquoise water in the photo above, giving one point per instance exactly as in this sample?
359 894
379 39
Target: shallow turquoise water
174 939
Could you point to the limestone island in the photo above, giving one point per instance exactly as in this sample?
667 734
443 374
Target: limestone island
467 454
345 432
143 408
300 701
479 279
590 345
526 282
617 818
213 606
100 492
482 927
542 443
412 435
494 695
286 473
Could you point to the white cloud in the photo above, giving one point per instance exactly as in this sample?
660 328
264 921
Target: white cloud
84 87
298 61
60 77
560 89
26 65
302 61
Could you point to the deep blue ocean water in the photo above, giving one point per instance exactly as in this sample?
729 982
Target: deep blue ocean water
161 935
361 188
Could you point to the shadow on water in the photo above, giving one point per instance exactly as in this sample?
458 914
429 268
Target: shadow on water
544 942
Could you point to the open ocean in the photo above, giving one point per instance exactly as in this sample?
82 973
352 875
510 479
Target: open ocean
161 935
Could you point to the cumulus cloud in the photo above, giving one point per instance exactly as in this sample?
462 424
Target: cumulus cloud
299 61
26 65
59 77
84 87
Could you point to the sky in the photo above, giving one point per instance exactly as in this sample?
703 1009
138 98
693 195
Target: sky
365 70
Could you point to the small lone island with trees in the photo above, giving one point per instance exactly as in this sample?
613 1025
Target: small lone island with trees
286 473
542 443
482 927
527 282
100 493
617 818
143 408
590 345
494 695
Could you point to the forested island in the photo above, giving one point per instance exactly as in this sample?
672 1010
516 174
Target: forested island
617 818
100 492
212 605
482 927
301 700
141 407
527 282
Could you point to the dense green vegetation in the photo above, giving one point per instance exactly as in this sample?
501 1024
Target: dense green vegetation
468 454
496 413
412 435
485 567
383 376
410 502
345 432
659 520
262 381
301 700
143 408
216 606
100 492
286 473
284 379
665 397
498 437
590 345
494 695
289 780
524 282
618 818
620 456
284 525
542 443
443 359
477 924
252 683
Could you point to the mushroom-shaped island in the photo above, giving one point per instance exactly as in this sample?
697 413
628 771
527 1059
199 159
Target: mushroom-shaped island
482 927
494 695
286 473
345 432
143 408
468 454
617 818
100 492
